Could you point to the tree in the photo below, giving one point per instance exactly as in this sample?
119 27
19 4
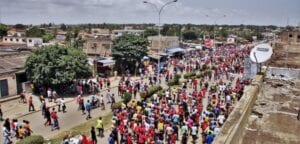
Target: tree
189 35
3 30
150 32
128 50
63 27
56 67
20 26
47 37
35 32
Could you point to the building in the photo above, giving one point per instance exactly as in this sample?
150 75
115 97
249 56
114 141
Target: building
126 30
29 41
97 32
16 32
292 37
98 46
12 74
166 42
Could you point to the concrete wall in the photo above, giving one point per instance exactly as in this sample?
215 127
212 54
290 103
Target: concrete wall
233 128
286 72
12 84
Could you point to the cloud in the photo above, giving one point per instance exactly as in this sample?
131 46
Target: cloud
135 11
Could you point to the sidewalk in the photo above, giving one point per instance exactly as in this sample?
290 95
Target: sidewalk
14 109
73 117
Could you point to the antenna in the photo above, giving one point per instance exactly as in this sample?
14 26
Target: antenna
261 53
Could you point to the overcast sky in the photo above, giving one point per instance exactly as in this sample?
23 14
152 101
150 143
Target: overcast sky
259 12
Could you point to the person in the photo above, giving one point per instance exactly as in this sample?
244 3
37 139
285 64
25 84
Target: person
27 129
100 127
61 105
6 136
113 101
88 108
108 96
21 132
102 102
184 139
1 114
30 103
54 117
111 139
49 94
93 135
47 117
22 97
54 95
81 104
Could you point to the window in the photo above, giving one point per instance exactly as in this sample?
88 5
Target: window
17 40
30 40
24 40
11 39
298 38
106 46
290 35
5 39
3 88
94 46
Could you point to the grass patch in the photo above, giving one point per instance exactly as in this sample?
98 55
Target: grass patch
82 129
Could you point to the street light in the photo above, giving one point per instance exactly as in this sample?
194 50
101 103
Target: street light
215 23
159 11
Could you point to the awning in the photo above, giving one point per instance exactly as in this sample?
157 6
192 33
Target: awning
107 62
174 50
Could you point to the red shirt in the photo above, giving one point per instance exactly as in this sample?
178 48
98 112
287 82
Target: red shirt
129 140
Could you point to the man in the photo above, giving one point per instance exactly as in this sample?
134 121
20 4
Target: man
93 135
100 127
113 101
6 136
49 94
88 108
55 120
108 95
30 103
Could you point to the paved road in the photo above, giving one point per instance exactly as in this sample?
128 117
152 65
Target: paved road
14 109
67 120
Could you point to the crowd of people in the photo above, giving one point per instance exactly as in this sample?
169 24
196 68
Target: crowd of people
14 128
196 110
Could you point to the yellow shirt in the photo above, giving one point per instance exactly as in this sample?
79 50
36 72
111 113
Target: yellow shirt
99 124
160 126
138 108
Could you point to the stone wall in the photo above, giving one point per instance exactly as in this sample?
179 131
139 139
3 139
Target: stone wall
283 73
233 128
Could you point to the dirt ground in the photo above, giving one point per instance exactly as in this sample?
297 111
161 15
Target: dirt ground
274 115
281 53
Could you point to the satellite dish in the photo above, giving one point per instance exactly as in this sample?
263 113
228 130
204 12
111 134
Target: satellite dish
261 53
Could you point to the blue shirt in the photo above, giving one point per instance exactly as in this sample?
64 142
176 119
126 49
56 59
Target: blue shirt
209 139
88 106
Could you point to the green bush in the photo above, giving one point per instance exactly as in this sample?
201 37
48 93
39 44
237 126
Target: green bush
150 91
161 93
127 97
117 105
189 75
205 67
199 76
175 81
35 139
